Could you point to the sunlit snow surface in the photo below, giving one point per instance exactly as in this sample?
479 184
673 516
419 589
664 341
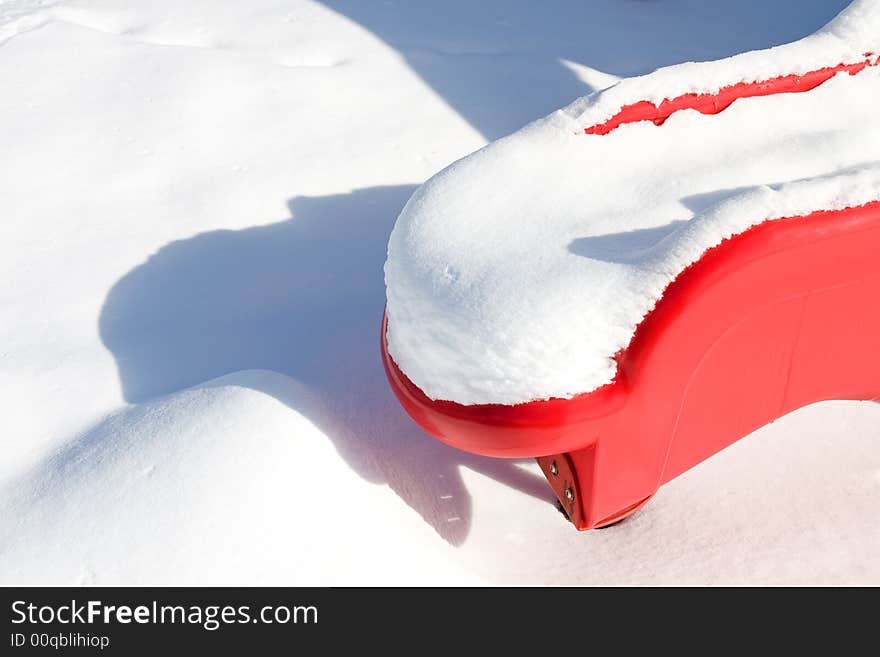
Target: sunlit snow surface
196 201
519 272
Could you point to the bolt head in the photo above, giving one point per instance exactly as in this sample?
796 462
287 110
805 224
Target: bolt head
554 469
569 494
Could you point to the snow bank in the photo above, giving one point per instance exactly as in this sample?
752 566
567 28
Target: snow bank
518 272
222 483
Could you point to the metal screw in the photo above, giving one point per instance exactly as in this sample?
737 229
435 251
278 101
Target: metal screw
569 494
553 469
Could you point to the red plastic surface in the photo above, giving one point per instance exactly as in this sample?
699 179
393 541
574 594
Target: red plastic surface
721 100
781 316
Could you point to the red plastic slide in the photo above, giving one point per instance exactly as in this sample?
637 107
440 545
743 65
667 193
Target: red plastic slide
781 316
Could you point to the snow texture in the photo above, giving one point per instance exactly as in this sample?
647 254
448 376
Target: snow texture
517 273
195 203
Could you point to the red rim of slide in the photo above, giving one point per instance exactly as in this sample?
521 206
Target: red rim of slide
713 103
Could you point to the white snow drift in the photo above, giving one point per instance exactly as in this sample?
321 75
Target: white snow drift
517 273
203 189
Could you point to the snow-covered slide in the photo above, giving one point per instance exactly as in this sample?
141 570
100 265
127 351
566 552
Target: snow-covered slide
632 283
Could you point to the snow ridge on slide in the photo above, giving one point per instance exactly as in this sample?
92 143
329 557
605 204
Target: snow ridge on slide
848 39
517 273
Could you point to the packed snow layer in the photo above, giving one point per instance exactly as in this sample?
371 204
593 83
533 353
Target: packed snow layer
206 189
518 273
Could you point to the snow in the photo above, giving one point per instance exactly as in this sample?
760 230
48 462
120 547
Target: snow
850 38
517 273
196 201
194 487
